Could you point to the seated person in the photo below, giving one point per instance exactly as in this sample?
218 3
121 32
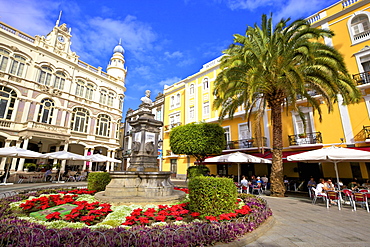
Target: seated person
353 185
83 175
68 175
321 188
366 185
311 183
48 175
329 185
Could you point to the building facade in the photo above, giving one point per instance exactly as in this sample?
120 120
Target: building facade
52 101
191 100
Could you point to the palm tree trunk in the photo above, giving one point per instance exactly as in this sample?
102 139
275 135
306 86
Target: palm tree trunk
277 183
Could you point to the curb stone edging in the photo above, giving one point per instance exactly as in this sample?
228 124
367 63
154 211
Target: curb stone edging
252 236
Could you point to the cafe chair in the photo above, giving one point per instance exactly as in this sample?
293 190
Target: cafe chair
360 198
348 196
333 196
316 195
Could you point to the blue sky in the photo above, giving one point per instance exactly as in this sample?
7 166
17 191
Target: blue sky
164 40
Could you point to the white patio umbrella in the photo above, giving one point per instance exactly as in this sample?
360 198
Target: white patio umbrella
19 153
237 157
331 154
15 152
65 155
101 158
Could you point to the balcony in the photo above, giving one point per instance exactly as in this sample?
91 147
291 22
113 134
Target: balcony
245 143
362 78
366 130
167 128
304 139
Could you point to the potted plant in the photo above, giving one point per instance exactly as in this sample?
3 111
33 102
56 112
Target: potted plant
303 135
29 166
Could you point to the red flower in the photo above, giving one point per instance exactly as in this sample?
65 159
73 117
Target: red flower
179 218
144 220
55 215
211 218
137 212
195 214
160 218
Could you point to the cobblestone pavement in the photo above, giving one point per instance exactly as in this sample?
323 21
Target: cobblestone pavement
299 223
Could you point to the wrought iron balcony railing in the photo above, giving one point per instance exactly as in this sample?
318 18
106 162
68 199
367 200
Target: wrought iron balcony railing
362 78
303 139
366 130
245 143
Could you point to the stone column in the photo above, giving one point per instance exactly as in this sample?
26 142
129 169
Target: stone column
26 140
107 165
3 160
85 162
14 160
113 157
63 167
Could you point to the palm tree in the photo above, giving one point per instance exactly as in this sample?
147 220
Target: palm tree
270 67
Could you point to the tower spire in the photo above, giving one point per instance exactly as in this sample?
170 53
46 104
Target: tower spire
60 15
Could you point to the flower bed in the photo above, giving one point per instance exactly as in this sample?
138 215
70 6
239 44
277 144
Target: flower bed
94 224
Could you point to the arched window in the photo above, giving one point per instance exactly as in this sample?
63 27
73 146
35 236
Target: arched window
46 111
80 120
121 103
359 27
205 83
4 58
45 74
89 91
103 97
118 126
103 125
110 98
7 101
18 65
191 89
172 102
178 100
60 78
80 88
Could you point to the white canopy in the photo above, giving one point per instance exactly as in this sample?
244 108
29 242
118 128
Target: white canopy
15 152
236 157
331 154
64 155
101 158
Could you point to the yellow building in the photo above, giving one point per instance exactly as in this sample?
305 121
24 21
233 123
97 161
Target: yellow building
191 99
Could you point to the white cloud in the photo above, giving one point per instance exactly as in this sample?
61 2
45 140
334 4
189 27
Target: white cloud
250 4
175 54
169 81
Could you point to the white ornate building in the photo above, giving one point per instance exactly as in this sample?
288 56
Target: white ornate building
50 100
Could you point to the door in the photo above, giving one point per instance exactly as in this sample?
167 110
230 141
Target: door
308 170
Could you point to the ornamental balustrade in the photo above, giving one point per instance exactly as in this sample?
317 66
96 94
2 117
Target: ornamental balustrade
304 139
246 143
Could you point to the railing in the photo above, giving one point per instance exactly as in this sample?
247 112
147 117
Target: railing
6 124
362 78
366 130
47 127
314 18
16 32
245 143
360 36
348 3
303 139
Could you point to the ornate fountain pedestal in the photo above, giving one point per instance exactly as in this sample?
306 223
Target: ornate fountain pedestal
140 188
142 183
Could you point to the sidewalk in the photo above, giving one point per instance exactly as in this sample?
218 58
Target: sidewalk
299 223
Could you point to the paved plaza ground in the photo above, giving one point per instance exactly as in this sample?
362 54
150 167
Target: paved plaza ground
297 221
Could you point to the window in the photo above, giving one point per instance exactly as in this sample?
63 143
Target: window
205 84
244 136
103 97
60 78
227 134
118 125
18 65
359 27
205 109
178 98
173 165
299 124
80 88
172 102
103 125
121 103
191 89
110 99
175 120
191 112
89 91
80 119
158 114
4 58
7 101
45 74
46 111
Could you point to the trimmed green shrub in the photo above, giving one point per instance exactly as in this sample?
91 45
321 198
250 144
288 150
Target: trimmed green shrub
194 171
212 196
98 181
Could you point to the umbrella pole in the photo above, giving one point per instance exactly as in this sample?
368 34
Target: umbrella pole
238 173
340 194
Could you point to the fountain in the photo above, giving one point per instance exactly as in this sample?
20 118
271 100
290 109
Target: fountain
142 183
